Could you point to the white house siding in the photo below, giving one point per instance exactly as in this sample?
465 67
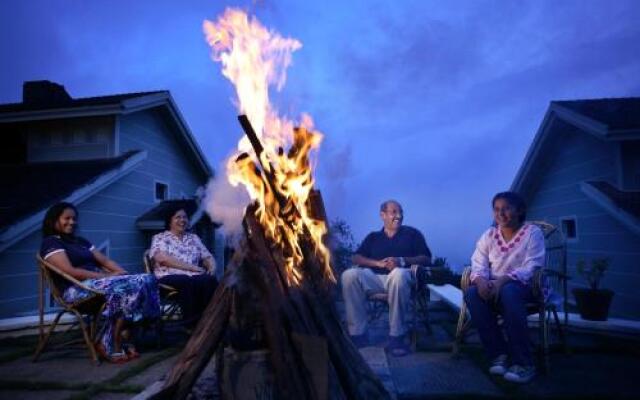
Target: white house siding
581 157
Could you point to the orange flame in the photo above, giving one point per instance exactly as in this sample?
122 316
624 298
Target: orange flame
254 58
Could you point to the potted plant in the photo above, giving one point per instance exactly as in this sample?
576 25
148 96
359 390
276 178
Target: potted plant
592 302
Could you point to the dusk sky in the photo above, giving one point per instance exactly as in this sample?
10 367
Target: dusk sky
431 103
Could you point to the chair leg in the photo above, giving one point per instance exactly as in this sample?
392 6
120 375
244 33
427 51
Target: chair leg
460 328
560 330
43 341
544 337
87 339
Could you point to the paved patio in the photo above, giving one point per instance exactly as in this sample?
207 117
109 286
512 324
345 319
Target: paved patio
598 366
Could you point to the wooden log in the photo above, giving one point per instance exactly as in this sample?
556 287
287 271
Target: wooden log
314 313
201 346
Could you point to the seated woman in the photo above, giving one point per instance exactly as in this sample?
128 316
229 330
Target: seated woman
129 298
502 267
178 256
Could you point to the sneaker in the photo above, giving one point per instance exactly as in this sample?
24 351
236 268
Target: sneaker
360 341
520 374
499 365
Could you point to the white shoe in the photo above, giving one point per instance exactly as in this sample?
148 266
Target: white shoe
499 365
520 374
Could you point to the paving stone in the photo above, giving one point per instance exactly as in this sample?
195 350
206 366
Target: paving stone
37 394
153 373
423 374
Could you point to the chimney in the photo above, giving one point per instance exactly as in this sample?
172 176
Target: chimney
44 93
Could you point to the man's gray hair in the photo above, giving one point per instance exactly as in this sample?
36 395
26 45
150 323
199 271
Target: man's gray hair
383 206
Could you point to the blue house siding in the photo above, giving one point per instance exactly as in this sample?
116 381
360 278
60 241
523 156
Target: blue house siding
109 215
168 159
579 157
19 277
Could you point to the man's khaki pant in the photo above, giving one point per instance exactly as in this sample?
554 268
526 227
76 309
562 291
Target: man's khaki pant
358 283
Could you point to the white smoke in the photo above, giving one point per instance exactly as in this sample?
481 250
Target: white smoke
225 203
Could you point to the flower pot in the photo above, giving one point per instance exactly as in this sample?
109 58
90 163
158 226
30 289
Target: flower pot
592 304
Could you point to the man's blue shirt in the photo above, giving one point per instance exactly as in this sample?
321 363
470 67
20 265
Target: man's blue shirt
407 242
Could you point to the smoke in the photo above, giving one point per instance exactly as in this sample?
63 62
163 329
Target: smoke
225 204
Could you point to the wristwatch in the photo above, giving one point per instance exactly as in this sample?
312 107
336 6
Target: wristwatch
403 262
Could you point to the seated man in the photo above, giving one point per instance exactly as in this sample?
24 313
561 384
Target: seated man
383 260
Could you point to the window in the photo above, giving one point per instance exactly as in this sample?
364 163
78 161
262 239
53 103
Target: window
569 228
162 191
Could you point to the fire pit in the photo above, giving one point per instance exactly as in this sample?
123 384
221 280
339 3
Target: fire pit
275 300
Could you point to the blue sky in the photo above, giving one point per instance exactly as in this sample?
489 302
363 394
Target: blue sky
432 103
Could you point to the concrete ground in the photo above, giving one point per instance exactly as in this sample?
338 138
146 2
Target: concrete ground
598 366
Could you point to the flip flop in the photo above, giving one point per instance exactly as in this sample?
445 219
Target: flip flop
114 358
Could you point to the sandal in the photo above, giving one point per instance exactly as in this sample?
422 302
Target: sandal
114 358
130 350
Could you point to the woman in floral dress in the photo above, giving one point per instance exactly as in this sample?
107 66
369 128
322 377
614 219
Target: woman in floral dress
129 298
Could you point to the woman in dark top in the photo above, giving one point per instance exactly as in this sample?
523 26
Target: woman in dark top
129 298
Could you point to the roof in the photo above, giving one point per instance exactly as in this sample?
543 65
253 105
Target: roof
74 103
624 206
33 187
629 201
611 119
154 218
44 100
615 113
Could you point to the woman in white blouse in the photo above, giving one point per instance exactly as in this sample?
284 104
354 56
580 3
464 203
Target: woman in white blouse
502 267
183 262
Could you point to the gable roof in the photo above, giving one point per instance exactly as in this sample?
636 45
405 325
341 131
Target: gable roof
17 108
34 187
607 119
616 114
57 104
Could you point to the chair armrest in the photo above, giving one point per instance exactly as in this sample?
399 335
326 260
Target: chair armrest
465 280
557 274
44 264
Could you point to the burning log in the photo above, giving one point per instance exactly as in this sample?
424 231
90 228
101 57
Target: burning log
309 351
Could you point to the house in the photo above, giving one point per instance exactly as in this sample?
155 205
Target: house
582 174
121 159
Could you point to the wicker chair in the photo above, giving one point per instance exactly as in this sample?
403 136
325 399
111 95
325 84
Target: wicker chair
554 275
168 294
91 307
378 302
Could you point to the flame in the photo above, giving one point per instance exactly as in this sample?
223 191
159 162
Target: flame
254 58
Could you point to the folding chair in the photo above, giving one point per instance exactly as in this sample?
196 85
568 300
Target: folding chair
90 307
546 309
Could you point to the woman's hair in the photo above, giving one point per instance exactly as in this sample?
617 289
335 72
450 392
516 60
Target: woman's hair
515 200
51 217
173 210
